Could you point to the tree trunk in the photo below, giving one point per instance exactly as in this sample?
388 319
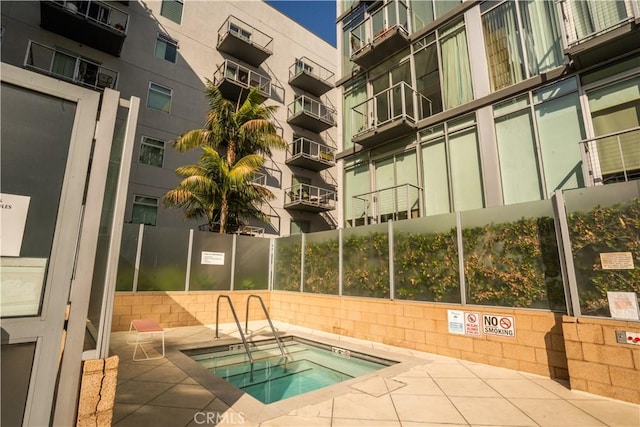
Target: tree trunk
224 212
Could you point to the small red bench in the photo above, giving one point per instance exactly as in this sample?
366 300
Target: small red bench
144 330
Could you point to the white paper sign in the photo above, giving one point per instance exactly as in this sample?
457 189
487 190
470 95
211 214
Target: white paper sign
455 320
212 258
21 285
623 305
472 324
13 217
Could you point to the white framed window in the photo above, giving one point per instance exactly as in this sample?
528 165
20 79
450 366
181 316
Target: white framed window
145 210
166 48
172 9
159 97
240 32
299 226
151 152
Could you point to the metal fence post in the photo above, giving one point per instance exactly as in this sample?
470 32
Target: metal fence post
392 288
136 268
463 283
566 255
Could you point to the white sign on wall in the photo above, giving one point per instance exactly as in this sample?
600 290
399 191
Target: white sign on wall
623 305
21 286
494 324
13 217
455 319
212 258
472 324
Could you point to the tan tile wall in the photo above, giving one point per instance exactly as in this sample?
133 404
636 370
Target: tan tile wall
174 309
538 346
597 363
543 343
97 392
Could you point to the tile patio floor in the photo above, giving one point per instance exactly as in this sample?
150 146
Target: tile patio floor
422 390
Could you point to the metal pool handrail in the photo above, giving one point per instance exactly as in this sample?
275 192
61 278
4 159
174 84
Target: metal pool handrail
266 313
233 311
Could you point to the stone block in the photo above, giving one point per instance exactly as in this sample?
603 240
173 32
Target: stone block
460 343
535 368
485 347
590 333
518 352
570 331
504 363
414 336
92 365
589 371
574 350
626 378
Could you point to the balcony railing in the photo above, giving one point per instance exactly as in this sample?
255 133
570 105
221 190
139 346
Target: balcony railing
310 155
586 19
310 198
240 78
310 76
393 203
93 23
310 114
614 157
389 26
70 67
243 41
397 105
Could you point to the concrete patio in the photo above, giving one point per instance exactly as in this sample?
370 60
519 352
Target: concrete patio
423 389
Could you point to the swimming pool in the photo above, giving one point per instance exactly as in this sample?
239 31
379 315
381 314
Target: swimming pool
309 366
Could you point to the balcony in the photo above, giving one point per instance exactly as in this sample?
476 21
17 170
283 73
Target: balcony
385 31
67 66
241 40
596 30
614 157
234 81
310 114
306 197
310 77
389 114
393 203
310 155
92 23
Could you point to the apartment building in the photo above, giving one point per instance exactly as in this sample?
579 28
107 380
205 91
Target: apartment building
163 52
456 105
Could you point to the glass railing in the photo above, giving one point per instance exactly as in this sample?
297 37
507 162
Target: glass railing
304 104
311 195
379 24
242 76
586 19
305 65
101 13
614 157
303 147
399 101
70 67
244 31
393 203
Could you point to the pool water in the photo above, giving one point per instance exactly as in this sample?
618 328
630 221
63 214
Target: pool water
309 366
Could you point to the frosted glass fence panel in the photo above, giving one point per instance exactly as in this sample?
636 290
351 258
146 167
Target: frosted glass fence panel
321 263
366 261
163 260
127 261
287 267
511 256
211 262
604 225
425 259
252 263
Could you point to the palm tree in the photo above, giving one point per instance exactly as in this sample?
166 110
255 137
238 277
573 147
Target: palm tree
212 189
242 131
240 128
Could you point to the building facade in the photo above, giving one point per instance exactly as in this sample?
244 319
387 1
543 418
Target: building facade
163 52
456 105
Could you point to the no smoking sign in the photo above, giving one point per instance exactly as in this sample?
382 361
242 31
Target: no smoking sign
503 326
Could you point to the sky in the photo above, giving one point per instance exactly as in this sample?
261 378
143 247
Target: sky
319 16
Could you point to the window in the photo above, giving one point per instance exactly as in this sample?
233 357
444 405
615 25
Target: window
172 9
159 97
303 67
356 183
537 136
521 38
151 152
451 167
145 210
240 32
355 94
424 12
166 48
298 226
443 76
